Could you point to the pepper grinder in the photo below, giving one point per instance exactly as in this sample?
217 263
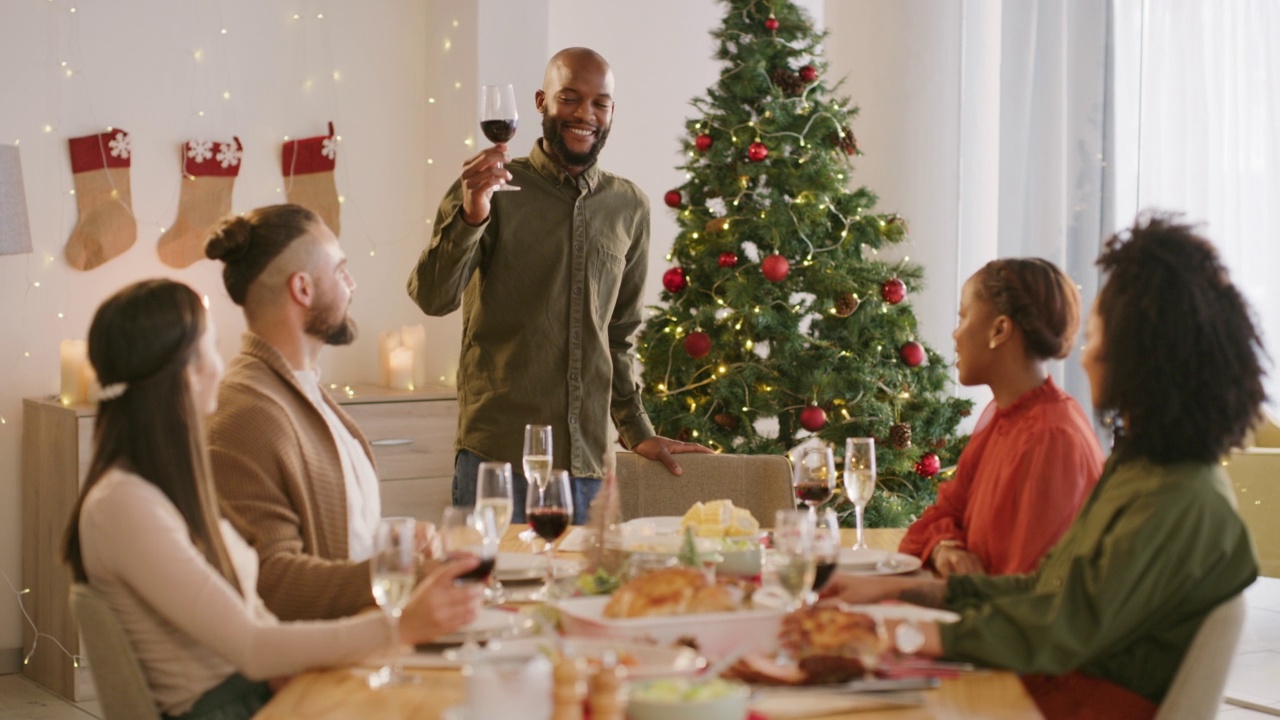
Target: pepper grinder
605 693
569 688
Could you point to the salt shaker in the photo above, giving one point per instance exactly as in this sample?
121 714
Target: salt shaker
568 688
605 693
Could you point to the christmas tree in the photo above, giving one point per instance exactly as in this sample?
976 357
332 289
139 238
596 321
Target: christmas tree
779 320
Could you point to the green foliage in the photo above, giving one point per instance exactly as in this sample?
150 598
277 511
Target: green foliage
777 347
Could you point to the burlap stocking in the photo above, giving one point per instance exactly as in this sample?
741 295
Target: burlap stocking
209 171
106 226
307 166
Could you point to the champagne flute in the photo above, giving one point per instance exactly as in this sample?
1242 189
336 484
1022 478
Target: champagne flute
815 477
550 510
860 477
537 463
498 117
393 570
493 490
473 531
826 548
794 563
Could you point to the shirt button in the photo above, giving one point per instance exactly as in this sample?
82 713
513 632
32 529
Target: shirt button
573 420
577 247
573 376
577 290
575 334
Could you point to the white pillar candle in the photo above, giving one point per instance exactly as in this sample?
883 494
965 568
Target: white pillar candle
75 356
414 337
400 372
388 340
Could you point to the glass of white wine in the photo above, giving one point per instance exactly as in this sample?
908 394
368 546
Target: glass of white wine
493 490
537 464
794 559
394 571
860 477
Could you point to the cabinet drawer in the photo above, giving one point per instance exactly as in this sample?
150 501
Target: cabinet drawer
422 498
409 439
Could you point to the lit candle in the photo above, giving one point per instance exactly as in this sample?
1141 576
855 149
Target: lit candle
400 369
414 337
388 340
75 356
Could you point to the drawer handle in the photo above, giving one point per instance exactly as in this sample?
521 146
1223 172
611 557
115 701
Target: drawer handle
391 442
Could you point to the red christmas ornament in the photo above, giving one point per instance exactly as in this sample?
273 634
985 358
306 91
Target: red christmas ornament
771 24
808 73
728 260
775 268
813 418
674 280
912 354
928 465
673 198
893 291
703 142
697 344
757 151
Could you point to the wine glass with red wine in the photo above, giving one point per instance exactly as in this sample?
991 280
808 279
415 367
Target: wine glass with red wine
815 476
498 117
826 548
550 511
471 531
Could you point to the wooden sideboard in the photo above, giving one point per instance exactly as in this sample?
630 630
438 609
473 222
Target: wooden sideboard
412 437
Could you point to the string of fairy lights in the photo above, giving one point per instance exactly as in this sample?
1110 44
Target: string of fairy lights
72 78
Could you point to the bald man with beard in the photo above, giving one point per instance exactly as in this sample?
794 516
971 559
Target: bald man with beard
550 280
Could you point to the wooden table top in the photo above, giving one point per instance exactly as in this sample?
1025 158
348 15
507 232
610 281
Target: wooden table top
343 694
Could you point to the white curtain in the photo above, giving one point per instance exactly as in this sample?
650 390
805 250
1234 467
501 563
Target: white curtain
1197 112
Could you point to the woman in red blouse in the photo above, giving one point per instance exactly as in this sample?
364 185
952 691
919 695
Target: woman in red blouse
1033 457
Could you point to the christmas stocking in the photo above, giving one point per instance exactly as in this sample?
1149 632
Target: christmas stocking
209 171
307 166
106 226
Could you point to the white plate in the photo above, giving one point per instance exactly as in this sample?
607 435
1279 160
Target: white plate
513 567
489 623
904 611
902 563
643 660
717 633
863 558
657 525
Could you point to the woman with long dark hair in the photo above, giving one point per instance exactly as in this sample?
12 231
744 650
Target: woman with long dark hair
146 533
1100 628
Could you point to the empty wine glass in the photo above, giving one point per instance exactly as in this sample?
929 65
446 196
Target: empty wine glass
860 477
794 563
537 463
498 117
493 490
394 572
550 511
471 531
815 476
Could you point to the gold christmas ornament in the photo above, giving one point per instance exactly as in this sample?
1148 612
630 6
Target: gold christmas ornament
743 181
717 224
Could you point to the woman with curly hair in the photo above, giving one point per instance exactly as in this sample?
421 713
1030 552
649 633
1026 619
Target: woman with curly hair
1101 626
1034 457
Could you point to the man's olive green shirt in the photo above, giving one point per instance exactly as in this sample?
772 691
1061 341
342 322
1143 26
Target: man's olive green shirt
551 289
1122 594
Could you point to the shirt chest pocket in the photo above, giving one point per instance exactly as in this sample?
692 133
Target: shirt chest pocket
604 279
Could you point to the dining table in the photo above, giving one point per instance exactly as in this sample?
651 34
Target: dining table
344 693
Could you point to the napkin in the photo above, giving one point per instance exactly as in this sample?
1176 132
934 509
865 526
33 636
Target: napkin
577 540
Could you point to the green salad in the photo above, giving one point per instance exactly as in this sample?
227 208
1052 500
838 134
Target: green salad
683 690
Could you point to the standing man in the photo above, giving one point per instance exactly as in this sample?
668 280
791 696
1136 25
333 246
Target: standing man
550 279
294 473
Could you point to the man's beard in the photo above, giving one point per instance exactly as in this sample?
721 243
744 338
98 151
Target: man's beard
553 132
320 324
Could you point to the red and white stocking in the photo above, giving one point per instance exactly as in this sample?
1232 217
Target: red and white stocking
106 226
307 166
209 171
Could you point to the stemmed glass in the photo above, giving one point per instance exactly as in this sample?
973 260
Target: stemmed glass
537 463
550 510
498 117
793 554
860 477
826 548
394 572
473 531
815 477
493 491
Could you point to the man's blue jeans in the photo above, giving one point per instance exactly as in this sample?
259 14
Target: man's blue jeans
466 465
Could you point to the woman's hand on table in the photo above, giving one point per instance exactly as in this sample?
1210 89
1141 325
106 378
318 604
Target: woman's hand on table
438 606
949 560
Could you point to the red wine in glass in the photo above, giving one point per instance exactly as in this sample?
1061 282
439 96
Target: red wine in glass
825 569
498 117
549 523
813 493
481 572
498 131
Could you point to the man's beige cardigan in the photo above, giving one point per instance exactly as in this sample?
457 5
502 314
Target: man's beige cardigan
280 479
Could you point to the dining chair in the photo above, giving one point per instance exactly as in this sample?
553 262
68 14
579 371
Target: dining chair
759 483
1255 475
122 688
1196 692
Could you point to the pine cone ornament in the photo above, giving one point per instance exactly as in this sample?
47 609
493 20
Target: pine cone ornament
844 139
717 224
684 434
900 436
788 82
726 421
846 304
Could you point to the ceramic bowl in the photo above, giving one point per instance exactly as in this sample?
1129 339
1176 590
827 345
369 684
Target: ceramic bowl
681 699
